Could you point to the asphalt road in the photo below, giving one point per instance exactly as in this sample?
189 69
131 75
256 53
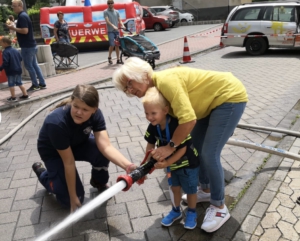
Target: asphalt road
97 54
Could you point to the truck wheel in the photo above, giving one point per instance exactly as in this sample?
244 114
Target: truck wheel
157 27
256 46
183 21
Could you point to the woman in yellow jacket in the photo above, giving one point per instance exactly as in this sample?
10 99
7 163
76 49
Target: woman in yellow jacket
209 105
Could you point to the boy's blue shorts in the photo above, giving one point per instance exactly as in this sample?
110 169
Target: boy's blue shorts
187 178
14 80
111 37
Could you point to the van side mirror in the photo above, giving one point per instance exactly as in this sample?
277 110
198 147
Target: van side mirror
146 15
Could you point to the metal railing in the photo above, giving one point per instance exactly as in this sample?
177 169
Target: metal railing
195 9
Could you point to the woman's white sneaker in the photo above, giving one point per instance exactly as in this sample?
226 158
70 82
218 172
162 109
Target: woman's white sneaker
201 196
214 218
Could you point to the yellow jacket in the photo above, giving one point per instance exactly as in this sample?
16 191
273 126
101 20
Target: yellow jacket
194 93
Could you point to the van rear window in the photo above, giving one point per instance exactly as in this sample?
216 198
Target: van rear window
247 14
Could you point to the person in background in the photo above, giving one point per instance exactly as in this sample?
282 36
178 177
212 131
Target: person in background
112 18
183 162
13 69
61 29
28 47
209 105
74 131
11 21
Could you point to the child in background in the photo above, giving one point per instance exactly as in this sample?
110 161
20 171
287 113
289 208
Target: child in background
184 162
11 21
12 66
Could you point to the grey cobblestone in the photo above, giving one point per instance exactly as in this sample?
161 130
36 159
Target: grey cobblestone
270 220
9 217
125 216
285 200
29 216
267 196
90 226
270 235
138 209
288 231
25 193
273 185
30 231
141 224
250 224
119 225
258 209
6 231
286 214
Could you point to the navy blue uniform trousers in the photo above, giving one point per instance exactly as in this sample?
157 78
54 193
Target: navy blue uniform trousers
54 180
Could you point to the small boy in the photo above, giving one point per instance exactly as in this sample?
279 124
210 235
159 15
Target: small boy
12 66
184 162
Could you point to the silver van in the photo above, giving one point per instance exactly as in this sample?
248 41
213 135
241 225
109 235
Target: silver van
259 26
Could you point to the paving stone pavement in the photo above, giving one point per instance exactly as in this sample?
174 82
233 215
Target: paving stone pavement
270 184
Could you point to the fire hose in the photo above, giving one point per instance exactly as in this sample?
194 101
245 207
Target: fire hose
124 182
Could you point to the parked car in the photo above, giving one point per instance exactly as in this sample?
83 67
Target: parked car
153 21
184 17
167 11
259 26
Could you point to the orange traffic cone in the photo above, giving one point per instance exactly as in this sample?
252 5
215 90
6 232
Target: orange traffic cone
186 53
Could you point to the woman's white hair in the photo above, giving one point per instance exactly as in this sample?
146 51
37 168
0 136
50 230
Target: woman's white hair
133 68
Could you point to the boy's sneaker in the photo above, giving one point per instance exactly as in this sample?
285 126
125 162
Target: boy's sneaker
100 187
215 218
11 99
43 86
38 168
33 88
201 196
171 218
24 97
191 220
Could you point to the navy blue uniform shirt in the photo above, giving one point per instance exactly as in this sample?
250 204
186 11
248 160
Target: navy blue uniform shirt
190 157
59 132
11 61
25 40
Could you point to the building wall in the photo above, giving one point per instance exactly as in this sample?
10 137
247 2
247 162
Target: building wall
201 9
154 2
211 3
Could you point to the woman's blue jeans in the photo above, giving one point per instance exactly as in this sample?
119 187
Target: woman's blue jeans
30 63
210 134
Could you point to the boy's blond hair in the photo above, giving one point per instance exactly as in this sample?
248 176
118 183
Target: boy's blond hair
6 40
153 96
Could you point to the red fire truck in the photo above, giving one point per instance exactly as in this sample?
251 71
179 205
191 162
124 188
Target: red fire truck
87 24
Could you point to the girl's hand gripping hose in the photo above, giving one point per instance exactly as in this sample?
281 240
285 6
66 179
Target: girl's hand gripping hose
139 174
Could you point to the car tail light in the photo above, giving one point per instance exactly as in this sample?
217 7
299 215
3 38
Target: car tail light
225 28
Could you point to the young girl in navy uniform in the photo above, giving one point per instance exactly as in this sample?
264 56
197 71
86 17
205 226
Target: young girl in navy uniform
183 163
75 131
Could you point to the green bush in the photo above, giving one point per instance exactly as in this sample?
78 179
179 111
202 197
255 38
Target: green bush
33 11
4 13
